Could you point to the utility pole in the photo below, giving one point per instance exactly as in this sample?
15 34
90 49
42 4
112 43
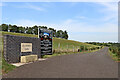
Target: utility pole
38 32
8 29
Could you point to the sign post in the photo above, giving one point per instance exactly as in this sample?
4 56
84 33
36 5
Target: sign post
38 32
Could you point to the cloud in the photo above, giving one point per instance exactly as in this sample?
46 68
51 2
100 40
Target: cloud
109 6
38 8
86 27
30 6
98 37
81 17
110 11
68 21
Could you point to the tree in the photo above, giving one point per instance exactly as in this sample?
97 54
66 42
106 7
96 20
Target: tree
54 31
32 30
43 27
4 27
14 28
59 34
0 27
29 30
35 29
9 28
65 34
21 29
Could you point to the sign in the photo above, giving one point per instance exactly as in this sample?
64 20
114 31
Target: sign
46 40
26 47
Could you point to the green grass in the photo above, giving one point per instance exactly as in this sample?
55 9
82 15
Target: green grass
6 67
64 45
60 46
18 34
56 54
114 56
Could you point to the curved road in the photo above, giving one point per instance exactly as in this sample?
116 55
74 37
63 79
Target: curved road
91 65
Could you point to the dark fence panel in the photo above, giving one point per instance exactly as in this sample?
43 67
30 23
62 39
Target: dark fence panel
12 47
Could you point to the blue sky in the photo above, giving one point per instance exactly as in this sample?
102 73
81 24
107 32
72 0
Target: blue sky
84 21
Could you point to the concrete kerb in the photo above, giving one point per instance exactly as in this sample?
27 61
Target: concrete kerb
20 64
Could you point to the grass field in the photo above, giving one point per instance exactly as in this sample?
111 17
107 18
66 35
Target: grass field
59 46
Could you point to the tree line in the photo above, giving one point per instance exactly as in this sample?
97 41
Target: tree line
100 44
33 30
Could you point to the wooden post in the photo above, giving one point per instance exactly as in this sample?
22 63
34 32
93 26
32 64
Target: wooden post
59 47
80 48
67 48
73 49
84 48
38 32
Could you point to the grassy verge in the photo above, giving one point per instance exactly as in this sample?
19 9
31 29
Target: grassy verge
59 54
114 56
6 67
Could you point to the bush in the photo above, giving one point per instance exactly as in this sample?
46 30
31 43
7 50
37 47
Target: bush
115 49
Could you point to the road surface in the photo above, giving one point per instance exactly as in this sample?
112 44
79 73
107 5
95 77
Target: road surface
90 65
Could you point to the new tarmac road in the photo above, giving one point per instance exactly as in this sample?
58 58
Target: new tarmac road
90 65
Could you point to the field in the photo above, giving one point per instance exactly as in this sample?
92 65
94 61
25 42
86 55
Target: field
61 46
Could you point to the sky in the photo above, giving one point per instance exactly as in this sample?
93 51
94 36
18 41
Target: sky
84 21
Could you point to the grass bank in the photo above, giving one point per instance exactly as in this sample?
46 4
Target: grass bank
114 56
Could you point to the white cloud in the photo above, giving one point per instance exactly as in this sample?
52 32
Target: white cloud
30 6
68 21
110 10
34 7
81 17
86 27
110 6
101 37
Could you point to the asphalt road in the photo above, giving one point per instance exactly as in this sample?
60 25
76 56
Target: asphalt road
90 65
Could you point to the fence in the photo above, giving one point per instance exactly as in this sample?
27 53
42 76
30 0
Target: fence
72 48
